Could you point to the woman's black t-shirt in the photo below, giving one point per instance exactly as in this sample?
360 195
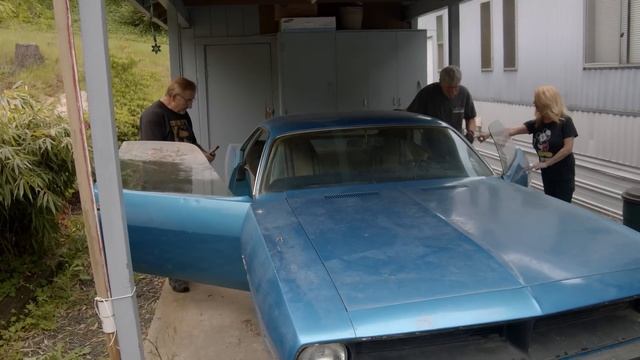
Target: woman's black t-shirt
548 139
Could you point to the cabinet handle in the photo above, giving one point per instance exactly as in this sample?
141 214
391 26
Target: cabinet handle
365 103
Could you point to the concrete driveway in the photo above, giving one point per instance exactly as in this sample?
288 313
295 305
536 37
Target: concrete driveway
206 323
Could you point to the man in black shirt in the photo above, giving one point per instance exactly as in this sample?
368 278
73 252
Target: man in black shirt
448 101
168 120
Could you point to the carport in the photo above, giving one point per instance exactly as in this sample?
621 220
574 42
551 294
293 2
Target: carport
247 71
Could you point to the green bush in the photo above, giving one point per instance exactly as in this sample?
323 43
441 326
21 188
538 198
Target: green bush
131 86
38 13
36 173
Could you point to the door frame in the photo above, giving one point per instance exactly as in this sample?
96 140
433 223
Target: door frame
202 95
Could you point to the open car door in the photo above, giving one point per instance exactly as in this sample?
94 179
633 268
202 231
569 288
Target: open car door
514 163
181 219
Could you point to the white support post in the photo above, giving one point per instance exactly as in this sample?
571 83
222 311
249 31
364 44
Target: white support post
114 227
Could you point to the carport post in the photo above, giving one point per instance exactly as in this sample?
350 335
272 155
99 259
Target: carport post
114 227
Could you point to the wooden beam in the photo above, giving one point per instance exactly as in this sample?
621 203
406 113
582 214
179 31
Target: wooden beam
180 9
279 2
143 7
69 72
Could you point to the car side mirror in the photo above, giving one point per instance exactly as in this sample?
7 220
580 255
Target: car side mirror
239 184
241 172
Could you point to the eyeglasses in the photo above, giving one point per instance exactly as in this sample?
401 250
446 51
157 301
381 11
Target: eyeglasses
186 98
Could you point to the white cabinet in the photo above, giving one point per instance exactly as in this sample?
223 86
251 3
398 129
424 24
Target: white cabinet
351 70
307 68
352 77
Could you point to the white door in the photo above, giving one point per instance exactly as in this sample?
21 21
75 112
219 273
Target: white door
239 93
430 54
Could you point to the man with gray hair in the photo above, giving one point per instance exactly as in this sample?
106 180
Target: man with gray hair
448 101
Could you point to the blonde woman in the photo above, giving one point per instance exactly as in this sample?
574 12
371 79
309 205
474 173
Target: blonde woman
553 133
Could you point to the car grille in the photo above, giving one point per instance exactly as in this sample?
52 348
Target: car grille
603 332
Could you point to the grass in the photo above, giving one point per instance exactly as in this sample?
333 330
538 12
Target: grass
45 79
55 297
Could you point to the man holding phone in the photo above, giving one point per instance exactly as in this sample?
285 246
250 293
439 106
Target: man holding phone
168 120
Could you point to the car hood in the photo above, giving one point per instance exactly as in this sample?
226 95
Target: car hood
389 245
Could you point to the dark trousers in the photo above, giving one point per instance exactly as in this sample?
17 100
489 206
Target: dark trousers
562 189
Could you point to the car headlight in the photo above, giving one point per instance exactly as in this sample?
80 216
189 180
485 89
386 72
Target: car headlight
324 352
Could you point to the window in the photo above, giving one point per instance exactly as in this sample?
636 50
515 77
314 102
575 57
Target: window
612 32
440 41
509 33
369 155
485 36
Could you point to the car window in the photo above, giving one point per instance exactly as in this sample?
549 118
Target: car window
369 155
166 166
253 153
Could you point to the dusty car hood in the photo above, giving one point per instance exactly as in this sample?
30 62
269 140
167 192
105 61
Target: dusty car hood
400 244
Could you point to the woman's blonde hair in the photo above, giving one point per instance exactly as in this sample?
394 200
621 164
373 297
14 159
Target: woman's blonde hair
548 103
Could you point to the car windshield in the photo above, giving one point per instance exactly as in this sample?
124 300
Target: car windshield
369 155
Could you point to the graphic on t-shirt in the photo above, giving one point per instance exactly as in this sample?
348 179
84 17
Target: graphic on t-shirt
180 130
543 144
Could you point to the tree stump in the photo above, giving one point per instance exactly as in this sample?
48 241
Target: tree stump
27 55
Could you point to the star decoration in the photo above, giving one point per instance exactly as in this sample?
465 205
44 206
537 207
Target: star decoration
155 48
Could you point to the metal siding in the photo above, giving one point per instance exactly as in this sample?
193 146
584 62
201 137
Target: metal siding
200 22
235 20
251 20
428 22
218 21
550 50
607 153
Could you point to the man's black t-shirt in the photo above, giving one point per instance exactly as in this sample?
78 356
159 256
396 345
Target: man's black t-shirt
432 101
158 122
548 139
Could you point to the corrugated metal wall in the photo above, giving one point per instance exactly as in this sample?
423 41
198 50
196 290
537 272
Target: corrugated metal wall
607 158
550 50
604 102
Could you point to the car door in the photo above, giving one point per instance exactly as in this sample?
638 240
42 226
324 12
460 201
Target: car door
515 165
182 221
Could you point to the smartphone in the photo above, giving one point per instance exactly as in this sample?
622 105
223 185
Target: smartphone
212 152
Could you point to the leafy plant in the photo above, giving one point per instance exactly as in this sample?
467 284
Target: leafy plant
36 172
130 85
38 13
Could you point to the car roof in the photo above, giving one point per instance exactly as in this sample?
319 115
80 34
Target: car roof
283 125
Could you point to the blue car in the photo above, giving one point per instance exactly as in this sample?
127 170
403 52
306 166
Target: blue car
384 235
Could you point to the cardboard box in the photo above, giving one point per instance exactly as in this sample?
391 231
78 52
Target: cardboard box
294 10
308 24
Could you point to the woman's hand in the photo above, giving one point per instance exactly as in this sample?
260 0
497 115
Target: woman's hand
538 166
483 136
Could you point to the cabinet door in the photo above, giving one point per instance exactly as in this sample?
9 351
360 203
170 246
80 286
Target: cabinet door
412 65
382 70
352 71
307 72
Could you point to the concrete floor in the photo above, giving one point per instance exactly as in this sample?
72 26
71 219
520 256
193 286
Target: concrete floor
206 323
